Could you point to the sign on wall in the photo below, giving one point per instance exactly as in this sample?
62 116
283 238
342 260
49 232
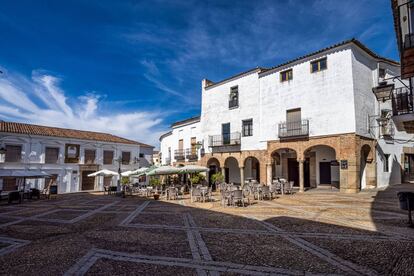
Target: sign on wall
344 164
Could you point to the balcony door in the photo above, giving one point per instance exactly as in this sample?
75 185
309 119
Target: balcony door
293 121
180 144
225 132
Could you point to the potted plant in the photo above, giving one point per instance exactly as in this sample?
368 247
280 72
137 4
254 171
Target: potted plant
155 183
217 178
197 178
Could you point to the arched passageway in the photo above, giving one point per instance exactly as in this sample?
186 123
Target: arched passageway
367 168
321 167
231 171
214 167
251 169
285 165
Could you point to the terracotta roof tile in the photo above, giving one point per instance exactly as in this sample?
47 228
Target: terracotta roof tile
21 128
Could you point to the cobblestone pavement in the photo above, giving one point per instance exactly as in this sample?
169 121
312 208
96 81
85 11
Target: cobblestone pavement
318 232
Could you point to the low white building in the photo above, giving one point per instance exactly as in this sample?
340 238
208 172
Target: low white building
68 155
313 120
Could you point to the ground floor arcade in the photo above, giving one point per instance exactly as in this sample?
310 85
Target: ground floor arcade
346 162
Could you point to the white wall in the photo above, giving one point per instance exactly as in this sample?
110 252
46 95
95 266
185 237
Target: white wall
215 110
325 98
33 158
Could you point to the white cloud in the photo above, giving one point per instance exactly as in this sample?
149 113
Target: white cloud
40 100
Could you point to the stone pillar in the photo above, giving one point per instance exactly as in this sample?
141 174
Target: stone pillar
242 176
301 177
223 172
269 174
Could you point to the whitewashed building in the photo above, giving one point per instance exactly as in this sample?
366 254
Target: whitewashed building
68 155
313 120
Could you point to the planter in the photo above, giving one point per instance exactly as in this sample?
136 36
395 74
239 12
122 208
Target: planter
156 196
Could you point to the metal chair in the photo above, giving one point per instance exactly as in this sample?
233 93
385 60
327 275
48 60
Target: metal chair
236 197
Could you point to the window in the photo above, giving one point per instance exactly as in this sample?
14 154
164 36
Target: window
71 153
386 163
141 155
51 155
381 73
13 153
234 97
286 75
89 156
193 145
318 65
247 127
108 156
126 157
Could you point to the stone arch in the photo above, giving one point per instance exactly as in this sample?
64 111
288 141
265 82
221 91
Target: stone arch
251 168
214 167
321 166
367 167
288 166
232 170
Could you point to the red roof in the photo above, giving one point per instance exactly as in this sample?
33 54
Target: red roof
21 128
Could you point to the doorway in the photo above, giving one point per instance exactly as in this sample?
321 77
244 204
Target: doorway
293 171
325 173
88 183
306 173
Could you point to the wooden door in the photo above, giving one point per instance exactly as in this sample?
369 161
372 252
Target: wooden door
324 173
88 183
293 171
180 144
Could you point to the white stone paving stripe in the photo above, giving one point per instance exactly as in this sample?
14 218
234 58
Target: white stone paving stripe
86 262
14 245
135 213
323 254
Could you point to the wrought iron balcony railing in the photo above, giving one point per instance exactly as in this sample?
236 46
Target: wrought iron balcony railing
179 155
402 101
191 154
294 129
404 14
229 139
233 103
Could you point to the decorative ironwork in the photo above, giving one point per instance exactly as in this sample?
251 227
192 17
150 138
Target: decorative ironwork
294 129
191 154
179 155
229 139
402 101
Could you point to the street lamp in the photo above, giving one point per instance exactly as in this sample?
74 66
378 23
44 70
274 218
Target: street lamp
118 185
383 91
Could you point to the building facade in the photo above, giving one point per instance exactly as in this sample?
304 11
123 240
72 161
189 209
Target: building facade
68 155
313 120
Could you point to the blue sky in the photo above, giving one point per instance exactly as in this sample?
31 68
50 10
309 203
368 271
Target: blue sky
132 68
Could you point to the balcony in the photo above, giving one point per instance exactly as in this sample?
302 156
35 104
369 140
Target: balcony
403 109
230 139
179 155
234 103
297 129
191 154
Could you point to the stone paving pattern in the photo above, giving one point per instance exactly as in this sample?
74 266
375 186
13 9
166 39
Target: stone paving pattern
318 232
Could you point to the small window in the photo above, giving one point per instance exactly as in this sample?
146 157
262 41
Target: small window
90 156
108 156
234 97
141 155
318 65
247 127
381 73
13 153
286 75
386 167
51 155
126 157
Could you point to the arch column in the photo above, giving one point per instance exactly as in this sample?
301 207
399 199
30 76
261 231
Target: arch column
242 176
301 177
269 174
223 172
